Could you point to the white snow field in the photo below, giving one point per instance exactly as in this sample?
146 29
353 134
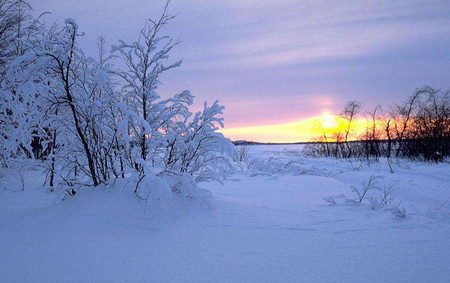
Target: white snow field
268 222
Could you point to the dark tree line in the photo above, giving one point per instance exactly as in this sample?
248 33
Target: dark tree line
418 129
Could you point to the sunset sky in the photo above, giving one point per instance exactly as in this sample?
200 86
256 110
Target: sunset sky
279 65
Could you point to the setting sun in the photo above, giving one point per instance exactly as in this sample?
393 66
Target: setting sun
328 121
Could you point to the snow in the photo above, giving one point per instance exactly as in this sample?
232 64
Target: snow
259 227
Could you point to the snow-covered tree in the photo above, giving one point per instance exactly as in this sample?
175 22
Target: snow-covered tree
74 99
145 60
17 31
88 122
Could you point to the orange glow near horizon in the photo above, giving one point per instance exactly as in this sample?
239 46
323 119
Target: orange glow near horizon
298 131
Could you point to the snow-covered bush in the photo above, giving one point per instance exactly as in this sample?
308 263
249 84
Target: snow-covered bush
89 123
152 189
437 211
369 185
387 196
399 211
241 154
274 166
158 189
197 148
382 200
330 200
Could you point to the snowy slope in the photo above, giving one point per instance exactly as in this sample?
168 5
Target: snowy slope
260 227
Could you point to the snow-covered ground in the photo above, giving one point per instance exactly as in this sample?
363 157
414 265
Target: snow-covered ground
267 223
